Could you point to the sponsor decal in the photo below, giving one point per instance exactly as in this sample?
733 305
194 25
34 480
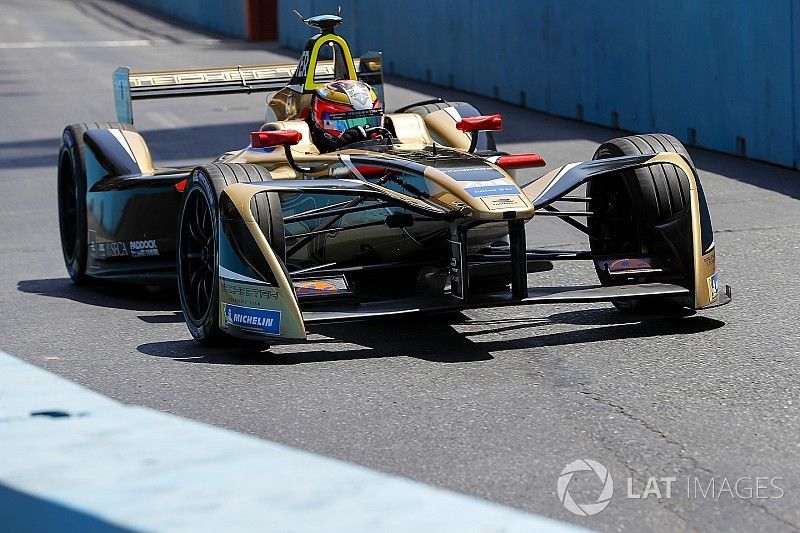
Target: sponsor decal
456 271
713 287
249 294
503 202
106 250
492 190
146 248
251 319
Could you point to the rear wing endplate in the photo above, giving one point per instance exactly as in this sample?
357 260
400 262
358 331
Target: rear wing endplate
129 86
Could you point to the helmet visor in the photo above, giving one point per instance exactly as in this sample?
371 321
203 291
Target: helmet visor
368 118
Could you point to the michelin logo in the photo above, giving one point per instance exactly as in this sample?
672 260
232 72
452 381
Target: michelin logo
248 318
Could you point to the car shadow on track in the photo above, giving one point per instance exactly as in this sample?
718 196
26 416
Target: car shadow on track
424 338
437 341
114 295
605 331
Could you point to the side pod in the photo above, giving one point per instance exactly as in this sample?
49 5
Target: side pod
256 296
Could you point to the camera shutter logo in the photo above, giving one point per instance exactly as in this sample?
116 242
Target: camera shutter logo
585 509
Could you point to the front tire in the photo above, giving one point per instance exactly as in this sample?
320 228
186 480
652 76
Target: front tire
198 242
630 204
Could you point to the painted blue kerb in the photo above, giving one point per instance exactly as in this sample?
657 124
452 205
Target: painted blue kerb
73 460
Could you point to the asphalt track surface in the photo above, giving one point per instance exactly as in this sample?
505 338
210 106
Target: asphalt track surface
495 405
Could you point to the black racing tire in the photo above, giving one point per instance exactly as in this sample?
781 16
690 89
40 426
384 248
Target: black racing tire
197 233
486 140
72 196
630 205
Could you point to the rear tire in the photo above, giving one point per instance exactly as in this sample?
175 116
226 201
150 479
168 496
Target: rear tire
72 196
632 203
198 243
485 138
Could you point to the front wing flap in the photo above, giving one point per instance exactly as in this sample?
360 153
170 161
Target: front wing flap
342 312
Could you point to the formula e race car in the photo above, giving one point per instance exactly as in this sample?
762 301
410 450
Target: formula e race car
426 216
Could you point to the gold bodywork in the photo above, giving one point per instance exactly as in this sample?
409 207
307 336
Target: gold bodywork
444 126
281 298
445 190
141 153
705 265
453 194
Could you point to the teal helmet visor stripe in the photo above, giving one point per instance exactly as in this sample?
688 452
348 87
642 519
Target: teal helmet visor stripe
367 118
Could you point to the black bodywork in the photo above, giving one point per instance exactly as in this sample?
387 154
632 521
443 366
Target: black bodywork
131 218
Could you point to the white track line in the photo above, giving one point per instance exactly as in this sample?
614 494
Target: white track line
101 44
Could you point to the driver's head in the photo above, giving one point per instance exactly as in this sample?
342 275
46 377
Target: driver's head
344 104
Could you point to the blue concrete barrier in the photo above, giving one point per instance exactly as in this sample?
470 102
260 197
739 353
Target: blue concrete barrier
72 460
721 74
226 17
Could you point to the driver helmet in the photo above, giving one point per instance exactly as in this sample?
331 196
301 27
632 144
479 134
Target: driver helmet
344 104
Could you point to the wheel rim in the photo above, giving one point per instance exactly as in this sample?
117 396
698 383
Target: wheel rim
197 256
68 209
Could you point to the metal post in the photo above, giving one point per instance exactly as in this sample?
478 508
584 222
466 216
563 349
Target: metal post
519 259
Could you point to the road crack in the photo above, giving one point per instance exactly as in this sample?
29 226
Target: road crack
692 462
644 423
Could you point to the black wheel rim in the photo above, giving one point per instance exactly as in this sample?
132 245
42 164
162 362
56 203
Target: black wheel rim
68 209
197 256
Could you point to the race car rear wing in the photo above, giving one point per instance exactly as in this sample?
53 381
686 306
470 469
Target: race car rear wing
129 86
